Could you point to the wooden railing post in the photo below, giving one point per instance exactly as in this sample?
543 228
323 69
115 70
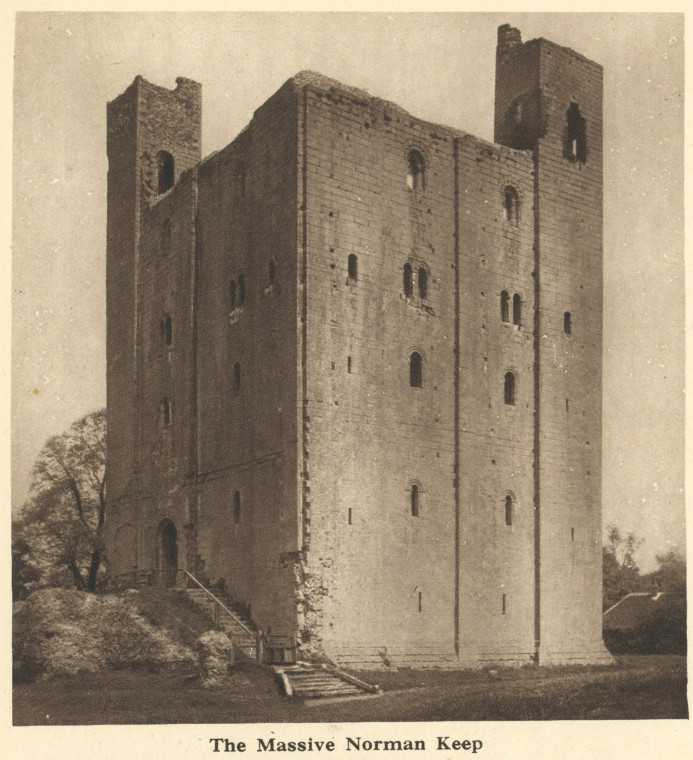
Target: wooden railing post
259 647
219 606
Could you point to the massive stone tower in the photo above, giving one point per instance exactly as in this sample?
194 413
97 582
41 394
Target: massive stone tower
549 99
354 365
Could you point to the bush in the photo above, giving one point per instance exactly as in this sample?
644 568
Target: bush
64 631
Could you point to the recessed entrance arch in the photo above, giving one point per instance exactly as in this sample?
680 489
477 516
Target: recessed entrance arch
167 546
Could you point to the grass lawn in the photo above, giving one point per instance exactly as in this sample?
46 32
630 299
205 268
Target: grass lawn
638 687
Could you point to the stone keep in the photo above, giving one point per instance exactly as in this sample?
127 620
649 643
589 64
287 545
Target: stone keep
354 364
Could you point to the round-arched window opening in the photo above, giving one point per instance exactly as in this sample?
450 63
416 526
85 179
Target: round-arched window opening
511 204
165 171
508 510
416 173
408 280
416 370
505 306
414 500
422 278
517 310
168 553
509 388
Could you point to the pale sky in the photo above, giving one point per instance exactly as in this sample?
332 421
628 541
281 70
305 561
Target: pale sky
439 67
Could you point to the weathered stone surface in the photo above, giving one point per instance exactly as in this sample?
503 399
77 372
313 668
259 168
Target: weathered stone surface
215 653
293 442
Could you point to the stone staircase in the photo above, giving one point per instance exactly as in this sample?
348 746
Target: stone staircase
230 620
320 682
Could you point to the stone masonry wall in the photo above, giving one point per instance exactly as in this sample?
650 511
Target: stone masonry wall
496 603
371 436
247 198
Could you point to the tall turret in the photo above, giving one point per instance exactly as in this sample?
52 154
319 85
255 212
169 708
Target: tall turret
549 100
153 136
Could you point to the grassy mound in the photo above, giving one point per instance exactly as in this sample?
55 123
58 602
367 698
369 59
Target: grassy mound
64 631
173 611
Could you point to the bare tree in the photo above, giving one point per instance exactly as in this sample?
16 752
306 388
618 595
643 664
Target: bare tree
62 521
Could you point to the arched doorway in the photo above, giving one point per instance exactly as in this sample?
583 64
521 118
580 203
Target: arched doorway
168 553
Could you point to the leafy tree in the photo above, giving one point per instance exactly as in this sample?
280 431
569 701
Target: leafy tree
671 573
621 575
62 521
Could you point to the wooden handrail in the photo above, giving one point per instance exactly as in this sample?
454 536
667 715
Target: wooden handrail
220 603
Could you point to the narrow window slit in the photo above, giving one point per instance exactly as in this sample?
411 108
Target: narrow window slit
414 500
352 268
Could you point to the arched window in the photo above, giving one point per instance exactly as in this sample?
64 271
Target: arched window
232 294
511 204
576 143
165 171
416 172
517 309
271 270
505 306
408 278
352 268
166 411
166 238
423 282
567 323
509 388
167 330
414 500
508 510
237 376
237 507
241 289
415 370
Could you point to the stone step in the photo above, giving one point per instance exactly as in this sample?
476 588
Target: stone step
311 679
326 694
314 683
336 686
339 686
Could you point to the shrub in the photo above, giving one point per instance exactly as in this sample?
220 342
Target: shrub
64 631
